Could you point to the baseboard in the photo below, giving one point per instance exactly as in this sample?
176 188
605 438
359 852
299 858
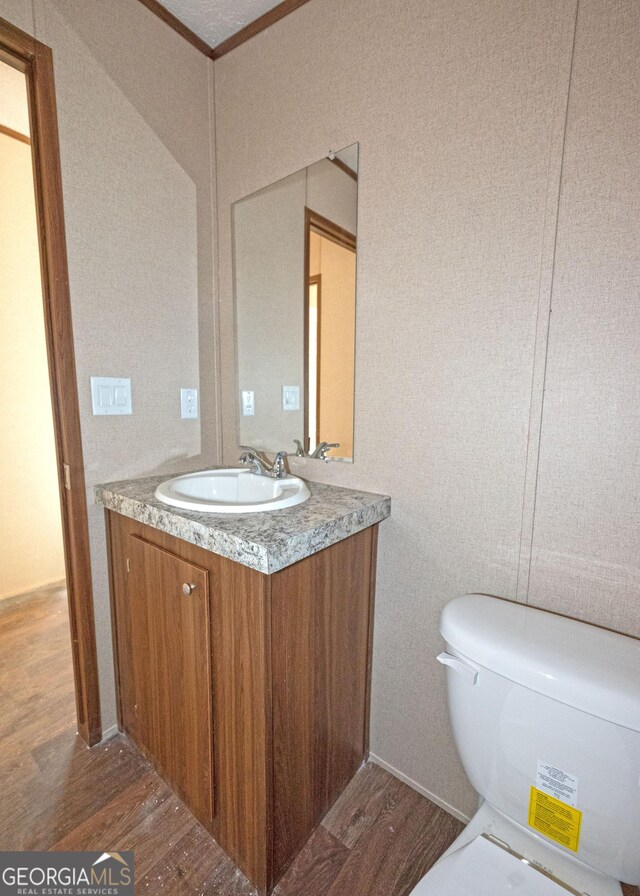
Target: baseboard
421 790
33 589
110 732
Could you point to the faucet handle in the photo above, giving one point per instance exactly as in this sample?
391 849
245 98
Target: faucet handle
251 459
300 452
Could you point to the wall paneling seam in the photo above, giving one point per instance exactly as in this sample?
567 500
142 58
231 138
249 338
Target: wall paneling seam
215 220
545 296
213 164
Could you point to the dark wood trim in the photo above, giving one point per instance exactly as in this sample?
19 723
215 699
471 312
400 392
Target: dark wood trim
344 167
261 24
169 19
17 48
9 132
329 229
36 60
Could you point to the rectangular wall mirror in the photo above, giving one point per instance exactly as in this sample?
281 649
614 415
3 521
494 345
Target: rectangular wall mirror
294 247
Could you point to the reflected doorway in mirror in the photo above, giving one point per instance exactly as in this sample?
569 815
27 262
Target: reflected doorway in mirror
330 323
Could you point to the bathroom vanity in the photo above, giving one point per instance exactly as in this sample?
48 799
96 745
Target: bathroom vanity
243 658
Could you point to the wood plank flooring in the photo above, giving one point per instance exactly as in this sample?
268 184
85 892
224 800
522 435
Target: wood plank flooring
378 840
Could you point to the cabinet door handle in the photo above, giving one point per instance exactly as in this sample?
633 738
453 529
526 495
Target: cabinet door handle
188 588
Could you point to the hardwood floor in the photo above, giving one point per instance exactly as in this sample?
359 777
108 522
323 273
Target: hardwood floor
378 839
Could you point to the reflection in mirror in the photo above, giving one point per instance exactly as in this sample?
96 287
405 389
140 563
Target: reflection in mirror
295 290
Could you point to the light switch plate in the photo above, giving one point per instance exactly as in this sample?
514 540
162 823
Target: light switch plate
189 404
110 395
291 398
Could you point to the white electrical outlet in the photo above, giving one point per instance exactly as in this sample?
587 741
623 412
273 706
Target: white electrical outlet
248 403
189 404
291 398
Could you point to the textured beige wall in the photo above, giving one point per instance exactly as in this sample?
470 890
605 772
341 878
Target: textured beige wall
459 111
18 13
134 118
585 548
30 553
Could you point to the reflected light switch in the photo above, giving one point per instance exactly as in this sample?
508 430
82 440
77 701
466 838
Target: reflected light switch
248 403
291 398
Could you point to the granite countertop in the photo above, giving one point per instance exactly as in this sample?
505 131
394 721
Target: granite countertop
266 541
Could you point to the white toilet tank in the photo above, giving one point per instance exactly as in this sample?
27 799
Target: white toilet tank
549 733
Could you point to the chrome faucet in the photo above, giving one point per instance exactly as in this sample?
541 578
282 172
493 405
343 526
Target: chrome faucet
251 457
320 451
279 469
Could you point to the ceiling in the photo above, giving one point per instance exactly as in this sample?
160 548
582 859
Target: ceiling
216 20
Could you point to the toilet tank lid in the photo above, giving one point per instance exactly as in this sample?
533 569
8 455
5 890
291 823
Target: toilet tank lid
581 665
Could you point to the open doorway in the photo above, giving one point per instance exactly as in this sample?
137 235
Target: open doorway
329 336
33 599
31 554
43 513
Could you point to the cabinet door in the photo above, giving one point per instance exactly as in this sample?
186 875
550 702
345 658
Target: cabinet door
171 666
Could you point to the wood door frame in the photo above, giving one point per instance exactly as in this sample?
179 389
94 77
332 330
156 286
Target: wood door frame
313 221
35 60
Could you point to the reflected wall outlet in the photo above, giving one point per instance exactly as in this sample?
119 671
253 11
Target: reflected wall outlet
248 403
110 395
189 404
291 398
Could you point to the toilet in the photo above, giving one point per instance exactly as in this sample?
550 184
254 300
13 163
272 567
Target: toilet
545 713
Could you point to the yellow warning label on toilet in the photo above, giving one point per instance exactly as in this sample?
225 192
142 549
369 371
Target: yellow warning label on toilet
555 819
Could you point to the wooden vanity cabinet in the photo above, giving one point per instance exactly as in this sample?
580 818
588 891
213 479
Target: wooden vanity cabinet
248 692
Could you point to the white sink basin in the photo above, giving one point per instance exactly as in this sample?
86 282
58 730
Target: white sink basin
232 491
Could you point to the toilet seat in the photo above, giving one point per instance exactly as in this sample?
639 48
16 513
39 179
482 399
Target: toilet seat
482 867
